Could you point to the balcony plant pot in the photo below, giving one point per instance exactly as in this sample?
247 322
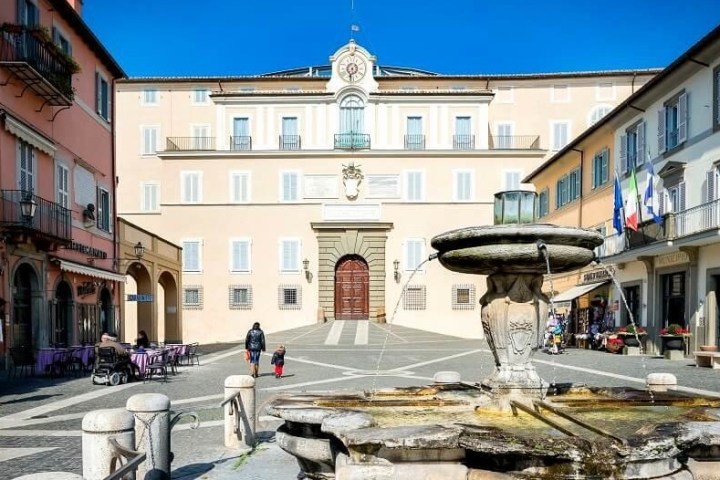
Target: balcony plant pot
630 339
673 342
708 348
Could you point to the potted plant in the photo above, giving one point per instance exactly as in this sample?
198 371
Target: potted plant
614 345
673 337
631 334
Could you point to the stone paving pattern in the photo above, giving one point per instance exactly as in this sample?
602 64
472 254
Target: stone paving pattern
312 365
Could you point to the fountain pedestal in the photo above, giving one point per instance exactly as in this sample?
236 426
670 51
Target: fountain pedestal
513 309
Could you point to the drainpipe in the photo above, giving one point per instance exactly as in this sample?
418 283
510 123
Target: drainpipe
118 290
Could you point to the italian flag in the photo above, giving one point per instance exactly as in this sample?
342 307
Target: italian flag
631 208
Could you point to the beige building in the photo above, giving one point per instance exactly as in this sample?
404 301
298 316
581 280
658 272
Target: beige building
312 194
669 268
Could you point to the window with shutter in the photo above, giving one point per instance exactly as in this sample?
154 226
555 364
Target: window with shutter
682 121
102 96
149 140
560 132
149 97
191 187
661 130
104 214
63 185
289 186
511 179
414 186
504 138
463 185
150 197
414 253
192 256
289 255
640 152
200 96
623 154
716 98
26 166
239 187
240 255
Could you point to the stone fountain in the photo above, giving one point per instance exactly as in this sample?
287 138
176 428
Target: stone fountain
511 424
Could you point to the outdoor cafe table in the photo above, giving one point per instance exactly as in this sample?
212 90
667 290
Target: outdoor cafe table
141 359
45 358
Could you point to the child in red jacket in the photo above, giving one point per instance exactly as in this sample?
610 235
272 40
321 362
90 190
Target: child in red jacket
278 359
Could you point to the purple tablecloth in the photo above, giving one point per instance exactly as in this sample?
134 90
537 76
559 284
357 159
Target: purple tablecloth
45 358
141 359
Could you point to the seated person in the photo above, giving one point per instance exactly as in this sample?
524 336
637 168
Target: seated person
110 340
142 340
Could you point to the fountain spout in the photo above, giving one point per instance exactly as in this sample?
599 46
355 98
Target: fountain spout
432 256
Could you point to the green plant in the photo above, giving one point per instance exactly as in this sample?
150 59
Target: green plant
674 329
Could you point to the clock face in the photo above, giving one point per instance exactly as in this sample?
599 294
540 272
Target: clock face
352 68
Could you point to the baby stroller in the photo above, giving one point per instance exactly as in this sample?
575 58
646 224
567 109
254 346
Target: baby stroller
109 368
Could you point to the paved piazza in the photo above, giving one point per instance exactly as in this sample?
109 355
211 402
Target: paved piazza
40 418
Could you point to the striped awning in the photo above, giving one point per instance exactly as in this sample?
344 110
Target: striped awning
91 271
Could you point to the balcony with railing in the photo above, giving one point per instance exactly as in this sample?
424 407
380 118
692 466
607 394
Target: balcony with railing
352 141
289 142
463 142
696 220
515 142
190 144
241 142
415 142
34 60
49 220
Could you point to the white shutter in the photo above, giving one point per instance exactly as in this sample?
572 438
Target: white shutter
289 186
641 151
661 130
289 251
239 187
191 256
710 188
623 154
682 118
681 197
240 256
413 253
605 166
662 201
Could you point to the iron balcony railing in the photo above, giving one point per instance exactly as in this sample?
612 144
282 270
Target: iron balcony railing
241 142
175 144
352 141
51 219
515 142
698 219
289 142
32 58
463 142
415 142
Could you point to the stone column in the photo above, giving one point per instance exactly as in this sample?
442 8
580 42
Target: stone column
98 427
652 345
245 435
152 434
691 304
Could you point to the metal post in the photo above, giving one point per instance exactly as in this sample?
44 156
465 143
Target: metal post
98 427
239 413
152 434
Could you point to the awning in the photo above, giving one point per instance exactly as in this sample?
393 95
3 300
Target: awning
28 134
576 291
91 271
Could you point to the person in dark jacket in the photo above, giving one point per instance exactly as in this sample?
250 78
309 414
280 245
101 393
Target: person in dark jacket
255 343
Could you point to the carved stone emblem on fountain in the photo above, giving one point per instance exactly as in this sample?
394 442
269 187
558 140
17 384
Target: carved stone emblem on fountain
352 177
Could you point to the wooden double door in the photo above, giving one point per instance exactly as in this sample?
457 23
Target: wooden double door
352 286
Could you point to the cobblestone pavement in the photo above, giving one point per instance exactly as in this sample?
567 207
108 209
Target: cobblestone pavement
40 418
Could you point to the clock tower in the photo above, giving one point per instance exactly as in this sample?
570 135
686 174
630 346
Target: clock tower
352 65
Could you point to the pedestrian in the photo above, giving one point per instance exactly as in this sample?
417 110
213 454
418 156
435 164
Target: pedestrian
278 359
142 340
255 343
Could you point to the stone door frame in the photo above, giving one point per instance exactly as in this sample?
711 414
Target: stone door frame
339 239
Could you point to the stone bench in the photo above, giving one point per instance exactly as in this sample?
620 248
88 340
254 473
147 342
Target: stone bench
707 359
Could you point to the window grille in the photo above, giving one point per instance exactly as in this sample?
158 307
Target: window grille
290 297
414 298
193 297
463 297
240 297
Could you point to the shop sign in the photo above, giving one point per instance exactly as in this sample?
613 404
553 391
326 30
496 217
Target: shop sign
670 259
140 297
88 250
597 276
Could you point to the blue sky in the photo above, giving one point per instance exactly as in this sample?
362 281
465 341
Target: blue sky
234 37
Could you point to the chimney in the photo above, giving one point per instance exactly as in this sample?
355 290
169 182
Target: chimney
77 5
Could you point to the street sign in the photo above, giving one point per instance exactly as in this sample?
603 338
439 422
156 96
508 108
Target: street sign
140 297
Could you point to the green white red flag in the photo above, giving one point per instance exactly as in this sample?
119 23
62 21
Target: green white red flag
631 205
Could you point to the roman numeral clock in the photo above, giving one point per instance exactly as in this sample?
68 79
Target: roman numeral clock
352 68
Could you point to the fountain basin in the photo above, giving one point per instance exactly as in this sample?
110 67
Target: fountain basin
514 248
618 433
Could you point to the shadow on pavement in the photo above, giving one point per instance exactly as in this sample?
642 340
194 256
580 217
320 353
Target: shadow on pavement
194 470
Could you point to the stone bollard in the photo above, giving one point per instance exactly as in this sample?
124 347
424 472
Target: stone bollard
152 434
98 427
661 382
245 436
446 377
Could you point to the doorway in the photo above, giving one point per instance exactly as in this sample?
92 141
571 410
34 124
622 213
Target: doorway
62 315
24 283
352 285
673 299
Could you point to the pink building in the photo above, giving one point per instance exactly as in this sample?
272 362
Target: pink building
59 280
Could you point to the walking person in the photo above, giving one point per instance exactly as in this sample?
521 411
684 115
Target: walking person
278 359
255 343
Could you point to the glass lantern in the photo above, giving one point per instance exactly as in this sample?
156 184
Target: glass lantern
514 207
